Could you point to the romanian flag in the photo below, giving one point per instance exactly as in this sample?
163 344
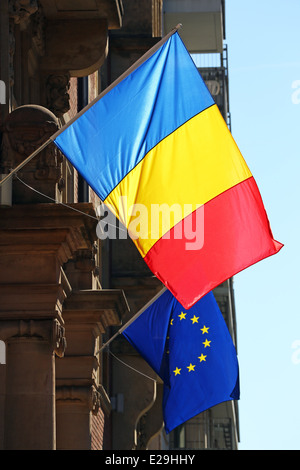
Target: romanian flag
159 154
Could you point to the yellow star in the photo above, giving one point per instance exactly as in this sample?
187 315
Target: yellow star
202 358
182 316
204 329
171 322
195 319
177 371
191 367
206 343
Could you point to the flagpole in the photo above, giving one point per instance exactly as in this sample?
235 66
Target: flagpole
132 319
142 59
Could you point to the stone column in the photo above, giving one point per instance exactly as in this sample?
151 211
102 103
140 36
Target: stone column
138 384
30 383
75 406
80 395
36 241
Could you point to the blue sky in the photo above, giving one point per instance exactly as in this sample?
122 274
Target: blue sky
263 40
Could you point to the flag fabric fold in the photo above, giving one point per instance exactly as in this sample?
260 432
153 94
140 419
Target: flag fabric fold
159 154
191 351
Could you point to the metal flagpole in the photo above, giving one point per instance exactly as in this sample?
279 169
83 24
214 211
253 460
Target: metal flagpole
142 59
132 319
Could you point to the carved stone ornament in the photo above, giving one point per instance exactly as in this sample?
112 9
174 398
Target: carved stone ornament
21 10
25 130
58 98
59 339
85 260
95 400
38 32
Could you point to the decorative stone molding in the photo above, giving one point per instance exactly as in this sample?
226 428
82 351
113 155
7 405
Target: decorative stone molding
82 270
36 241
51 331
28 301
86 316
97 309
87 396
80 224
85 260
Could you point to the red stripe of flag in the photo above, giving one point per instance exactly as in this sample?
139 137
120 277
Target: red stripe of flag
236 233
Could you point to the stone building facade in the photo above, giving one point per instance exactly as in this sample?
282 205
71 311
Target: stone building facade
63 291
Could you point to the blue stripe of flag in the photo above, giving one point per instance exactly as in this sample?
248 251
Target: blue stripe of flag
107 141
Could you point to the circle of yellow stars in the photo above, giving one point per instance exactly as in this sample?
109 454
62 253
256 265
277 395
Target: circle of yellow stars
206 343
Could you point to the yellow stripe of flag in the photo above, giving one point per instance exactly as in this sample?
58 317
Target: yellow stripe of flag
161 177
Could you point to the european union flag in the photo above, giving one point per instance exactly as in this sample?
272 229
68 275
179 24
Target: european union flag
191 351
